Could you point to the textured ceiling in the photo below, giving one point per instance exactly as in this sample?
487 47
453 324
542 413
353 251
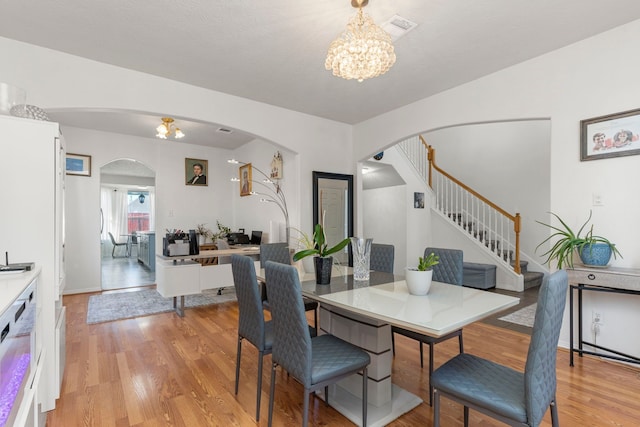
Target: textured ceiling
273 51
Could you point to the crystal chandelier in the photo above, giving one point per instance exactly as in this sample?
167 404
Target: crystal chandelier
363 51
167 127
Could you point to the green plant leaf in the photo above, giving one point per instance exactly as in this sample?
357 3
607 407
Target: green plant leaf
336 248
568 242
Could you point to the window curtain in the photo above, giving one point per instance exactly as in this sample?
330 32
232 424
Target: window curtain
152 210
114 211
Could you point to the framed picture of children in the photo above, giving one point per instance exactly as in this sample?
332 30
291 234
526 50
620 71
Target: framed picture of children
614 135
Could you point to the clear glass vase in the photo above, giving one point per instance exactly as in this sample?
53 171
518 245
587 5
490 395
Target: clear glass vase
361 249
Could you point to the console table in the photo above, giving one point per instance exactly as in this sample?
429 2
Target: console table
177 276
611 280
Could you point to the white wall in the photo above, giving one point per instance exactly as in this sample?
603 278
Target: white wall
177 205
388 215
568 85
252 214
54 80
507 162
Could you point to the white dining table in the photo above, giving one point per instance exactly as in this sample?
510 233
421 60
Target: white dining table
363 313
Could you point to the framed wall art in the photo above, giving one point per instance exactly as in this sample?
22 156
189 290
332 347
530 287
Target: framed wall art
245 179
195 171
276 166
418 200
78 164
614 135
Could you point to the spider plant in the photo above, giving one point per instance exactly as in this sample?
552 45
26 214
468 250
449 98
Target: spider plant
569 241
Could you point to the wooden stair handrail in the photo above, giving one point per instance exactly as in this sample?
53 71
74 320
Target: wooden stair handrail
431 157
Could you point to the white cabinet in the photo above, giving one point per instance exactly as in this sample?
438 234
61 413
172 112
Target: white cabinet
32 174
146 249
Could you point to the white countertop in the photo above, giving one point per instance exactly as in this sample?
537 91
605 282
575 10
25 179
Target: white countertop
444 309
385 297
12 284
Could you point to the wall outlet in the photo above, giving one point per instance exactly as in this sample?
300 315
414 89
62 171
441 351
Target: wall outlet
597 317
598 200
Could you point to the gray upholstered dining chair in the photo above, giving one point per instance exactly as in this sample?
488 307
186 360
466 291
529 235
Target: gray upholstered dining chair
279 252
118 244
314 362
251 323
449 270
382 257
513 397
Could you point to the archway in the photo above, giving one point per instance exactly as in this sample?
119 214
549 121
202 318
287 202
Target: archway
127 207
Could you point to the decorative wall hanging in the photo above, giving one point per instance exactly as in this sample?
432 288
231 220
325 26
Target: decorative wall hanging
614 135
276 166
245 173
195 171
78 164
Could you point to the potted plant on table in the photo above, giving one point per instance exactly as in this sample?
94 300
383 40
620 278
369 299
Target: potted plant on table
305 242
419 279
593 250
321 251
204 234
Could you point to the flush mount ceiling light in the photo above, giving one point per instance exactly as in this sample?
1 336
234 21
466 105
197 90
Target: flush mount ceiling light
167 127
363 51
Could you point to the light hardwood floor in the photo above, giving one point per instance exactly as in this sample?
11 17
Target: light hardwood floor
163 370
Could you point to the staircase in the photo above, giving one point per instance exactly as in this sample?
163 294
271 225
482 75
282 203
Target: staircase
489 226
531 278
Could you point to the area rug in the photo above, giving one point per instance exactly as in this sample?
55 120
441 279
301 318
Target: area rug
524 316
125 305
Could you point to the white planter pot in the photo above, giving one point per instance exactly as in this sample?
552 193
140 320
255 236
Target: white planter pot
418 282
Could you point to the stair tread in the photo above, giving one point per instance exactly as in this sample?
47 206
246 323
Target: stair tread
532 279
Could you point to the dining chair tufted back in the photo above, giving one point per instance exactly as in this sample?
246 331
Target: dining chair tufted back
450 267
513 397
382 257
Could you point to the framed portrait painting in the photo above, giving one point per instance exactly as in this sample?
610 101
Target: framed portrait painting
245 179
195 171
614 135
78 164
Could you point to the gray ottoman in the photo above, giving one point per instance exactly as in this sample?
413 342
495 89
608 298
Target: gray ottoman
479 276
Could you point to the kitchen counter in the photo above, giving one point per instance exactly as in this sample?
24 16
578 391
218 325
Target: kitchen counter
12 284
